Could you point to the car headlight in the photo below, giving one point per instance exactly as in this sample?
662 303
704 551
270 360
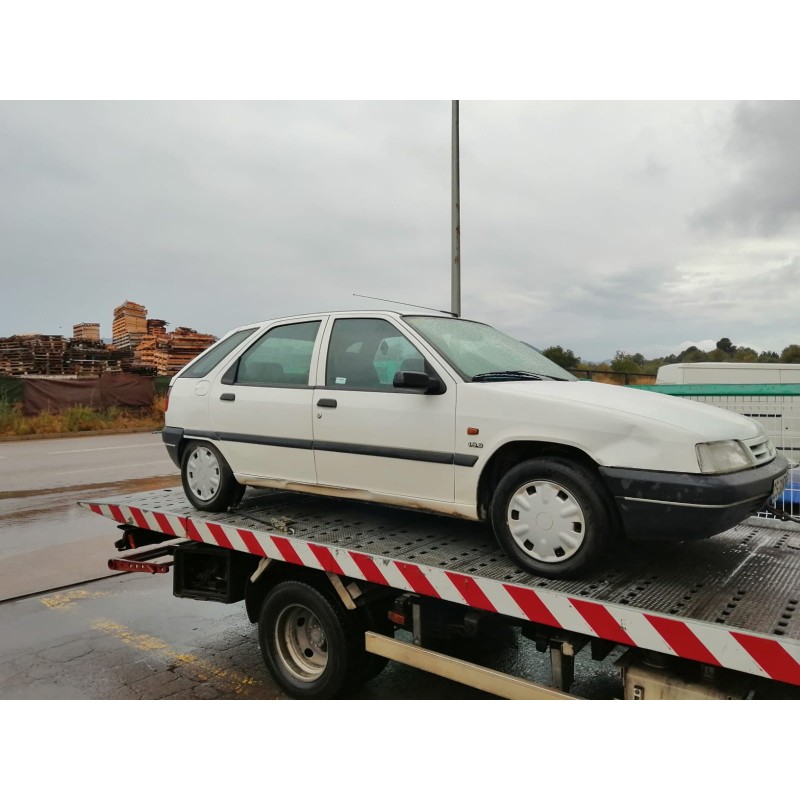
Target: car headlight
717 457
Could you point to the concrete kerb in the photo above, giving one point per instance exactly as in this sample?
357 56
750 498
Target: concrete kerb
73 434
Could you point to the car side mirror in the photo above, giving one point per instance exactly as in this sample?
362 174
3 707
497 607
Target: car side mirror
406 379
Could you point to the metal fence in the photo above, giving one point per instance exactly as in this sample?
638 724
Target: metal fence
775 406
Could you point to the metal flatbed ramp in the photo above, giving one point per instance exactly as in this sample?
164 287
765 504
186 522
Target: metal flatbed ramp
731 601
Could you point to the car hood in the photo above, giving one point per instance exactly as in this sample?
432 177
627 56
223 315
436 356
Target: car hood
707 422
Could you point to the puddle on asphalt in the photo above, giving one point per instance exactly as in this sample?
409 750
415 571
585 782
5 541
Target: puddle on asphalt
114 487
30 521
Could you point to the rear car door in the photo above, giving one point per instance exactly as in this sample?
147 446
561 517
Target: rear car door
260 407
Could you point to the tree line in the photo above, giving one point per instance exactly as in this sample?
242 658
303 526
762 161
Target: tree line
725 350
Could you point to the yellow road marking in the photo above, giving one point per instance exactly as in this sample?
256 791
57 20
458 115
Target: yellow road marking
201 669
64 599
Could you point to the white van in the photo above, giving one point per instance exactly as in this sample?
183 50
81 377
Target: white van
708 372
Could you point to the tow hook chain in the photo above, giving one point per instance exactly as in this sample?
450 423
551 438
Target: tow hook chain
782 515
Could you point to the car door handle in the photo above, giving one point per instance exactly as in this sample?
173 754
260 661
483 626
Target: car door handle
227 396
327 402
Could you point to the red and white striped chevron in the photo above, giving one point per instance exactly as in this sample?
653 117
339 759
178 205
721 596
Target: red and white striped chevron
708 643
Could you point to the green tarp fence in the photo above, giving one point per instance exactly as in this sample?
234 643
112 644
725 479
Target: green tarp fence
724 389
10 391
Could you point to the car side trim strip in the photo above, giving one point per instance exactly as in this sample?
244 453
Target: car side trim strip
273 441
385 452
425 456
189 434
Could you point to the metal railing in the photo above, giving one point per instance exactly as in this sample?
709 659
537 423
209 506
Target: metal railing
775 406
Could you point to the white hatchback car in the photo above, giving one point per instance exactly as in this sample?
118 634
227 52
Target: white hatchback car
451 416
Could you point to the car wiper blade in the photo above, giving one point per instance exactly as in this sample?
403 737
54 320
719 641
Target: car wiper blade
509 375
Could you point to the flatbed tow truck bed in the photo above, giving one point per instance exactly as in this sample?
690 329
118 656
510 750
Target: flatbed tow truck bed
729 604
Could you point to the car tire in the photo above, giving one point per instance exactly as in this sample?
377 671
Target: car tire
207 479
552 517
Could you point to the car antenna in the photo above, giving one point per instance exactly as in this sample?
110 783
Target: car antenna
412 305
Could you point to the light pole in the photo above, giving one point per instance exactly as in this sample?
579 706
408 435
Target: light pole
455 241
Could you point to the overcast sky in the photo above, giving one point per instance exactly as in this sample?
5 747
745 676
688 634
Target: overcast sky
598 226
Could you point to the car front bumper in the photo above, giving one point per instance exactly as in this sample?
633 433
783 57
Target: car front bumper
680 506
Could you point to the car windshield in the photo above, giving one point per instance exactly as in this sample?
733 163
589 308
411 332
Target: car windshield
480 353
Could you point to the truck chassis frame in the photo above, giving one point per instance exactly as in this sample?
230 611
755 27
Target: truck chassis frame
728 606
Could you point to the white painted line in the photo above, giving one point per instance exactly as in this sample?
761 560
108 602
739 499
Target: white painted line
95 449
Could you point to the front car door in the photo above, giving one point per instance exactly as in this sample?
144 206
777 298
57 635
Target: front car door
371 436
260 408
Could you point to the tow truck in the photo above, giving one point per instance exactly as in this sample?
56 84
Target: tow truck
338 588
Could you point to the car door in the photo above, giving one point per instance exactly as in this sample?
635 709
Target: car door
260 408
371 436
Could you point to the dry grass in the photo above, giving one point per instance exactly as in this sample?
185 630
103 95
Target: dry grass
79 418
619 379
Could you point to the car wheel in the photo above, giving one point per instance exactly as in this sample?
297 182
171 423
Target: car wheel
310 644
207 479
552 517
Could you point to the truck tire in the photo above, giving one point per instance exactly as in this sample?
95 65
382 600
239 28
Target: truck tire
552 517
207 479
372 619
312 646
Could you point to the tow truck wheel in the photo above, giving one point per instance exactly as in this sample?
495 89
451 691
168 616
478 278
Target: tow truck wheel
373 619
311 645
552 517
207 479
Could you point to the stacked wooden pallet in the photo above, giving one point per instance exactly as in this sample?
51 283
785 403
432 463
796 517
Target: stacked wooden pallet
165 353
90 331
86 358
157 327
32 354
129 326
139 345
178 348
144 357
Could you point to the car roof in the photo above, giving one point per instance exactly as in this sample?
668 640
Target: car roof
340 313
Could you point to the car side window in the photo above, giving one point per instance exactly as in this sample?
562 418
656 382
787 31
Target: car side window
213 356
281 357
367 353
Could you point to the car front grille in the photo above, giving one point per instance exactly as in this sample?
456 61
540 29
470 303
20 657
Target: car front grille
761 450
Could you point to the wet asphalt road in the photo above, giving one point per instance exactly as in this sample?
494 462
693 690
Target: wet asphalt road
46 540
126 637
71 629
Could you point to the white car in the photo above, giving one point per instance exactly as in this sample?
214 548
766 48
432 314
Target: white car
451 416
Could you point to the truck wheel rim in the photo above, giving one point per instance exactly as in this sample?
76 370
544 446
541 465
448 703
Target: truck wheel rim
302 644
546 521
202 473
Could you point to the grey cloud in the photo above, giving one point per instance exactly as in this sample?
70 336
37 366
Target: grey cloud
761 196
217 213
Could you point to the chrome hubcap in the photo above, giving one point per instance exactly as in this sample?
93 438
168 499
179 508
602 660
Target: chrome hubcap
302 644
202 473
546 521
